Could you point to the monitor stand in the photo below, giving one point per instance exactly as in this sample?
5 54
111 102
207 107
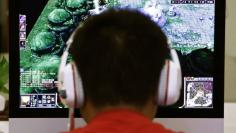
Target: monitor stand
57 125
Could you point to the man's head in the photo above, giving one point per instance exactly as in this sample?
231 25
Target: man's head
119 54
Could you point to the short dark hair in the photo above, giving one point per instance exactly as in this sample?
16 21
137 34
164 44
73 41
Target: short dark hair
119 54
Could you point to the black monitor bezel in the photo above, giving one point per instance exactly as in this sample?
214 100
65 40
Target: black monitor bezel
218 101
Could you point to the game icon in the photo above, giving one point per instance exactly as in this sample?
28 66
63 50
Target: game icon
22 19
198 92
22 35
22 27
22 44
25 101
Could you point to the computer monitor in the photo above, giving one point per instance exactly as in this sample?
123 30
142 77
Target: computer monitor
194 28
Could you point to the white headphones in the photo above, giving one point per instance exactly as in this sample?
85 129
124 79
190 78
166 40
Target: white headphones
71 87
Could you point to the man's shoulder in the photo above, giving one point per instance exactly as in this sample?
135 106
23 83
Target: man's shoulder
154 128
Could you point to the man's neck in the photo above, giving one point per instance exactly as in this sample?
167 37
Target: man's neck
89 111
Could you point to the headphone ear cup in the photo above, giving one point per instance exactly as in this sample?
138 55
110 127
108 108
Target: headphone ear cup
163 84
79 90
170 82
67 89
71 92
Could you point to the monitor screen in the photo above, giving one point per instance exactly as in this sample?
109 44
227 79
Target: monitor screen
44 29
